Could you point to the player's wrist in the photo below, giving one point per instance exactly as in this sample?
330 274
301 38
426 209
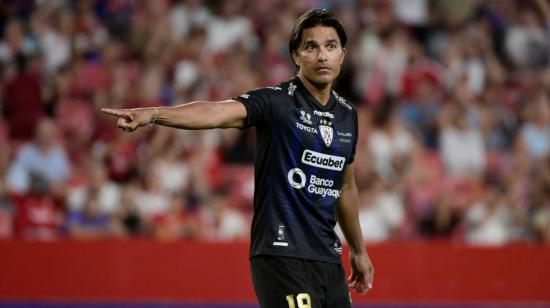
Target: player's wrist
358 250
154 114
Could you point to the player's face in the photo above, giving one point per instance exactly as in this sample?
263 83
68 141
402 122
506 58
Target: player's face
320 55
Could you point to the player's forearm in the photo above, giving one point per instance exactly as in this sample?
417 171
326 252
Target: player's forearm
348 218
200 115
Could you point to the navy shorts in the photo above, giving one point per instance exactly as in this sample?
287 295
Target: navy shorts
282 282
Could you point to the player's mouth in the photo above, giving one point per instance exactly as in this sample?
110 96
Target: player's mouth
322 69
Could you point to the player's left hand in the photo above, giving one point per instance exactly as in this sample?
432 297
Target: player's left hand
362 272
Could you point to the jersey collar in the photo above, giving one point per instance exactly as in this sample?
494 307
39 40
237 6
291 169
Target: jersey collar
305 92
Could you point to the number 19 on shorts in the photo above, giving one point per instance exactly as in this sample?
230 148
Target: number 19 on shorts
303 300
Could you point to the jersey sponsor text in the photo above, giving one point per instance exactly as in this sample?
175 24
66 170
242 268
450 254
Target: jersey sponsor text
306 128
323 161
323 114
322 187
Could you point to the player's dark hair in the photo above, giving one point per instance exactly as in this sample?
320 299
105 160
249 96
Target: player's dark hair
313 18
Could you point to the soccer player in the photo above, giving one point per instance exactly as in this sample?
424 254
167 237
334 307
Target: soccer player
304 171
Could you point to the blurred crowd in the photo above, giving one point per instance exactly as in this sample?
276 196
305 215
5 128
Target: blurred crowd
453 100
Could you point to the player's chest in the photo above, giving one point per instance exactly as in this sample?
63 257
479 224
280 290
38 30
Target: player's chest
318 129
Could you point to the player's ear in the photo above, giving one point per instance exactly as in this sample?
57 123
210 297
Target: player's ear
343 55
296 58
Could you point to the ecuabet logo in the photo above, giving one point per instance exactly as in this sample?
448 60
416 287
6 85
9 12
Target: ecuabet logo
323 161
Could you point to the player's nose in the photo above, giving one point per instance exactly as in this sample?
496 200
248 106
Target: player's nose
322 56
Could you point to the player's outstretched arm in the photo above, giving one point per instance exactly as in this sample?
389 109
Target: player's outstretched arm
362 270
195 115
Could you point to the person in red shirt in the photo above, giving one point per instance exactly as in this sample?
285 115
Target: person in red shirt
39 215
24 107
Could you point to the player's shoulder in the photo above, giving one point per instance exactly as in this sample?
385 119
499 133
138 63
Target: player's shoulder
267 92
343 103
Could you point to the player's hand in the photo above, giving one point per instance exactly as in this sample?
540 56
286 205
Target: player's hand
131 119
362 272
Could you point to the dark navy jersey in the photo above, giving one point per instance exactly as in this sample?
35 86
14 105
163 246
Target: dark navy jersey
302 151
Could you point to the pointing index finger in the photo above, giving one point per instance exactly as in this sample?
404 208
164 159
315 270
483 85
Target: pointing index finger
115 112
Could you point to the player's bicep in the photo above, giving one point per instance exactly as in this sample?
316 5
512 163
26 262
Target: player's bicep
259 105
230 114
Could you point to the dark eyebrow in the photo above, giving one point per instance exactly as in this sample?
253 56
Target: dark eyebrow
310 42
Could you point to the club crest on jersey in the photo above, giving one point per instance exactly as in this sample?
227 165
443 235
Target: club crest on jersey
326 131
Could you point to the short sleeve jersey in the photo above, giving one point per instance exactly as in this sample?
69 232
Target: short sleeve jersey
302 151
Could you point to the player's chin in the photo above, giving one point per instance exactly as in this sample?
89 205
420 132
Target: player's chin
325 78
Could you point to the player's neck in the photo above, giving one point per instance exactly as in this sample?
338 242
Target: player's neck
321 92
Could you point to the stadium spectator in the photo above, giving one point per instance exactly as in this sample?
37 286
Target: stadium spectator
218 220
185 16
43 157
526 40
127 221
501 119
170 161
391 145
440 219
412 13
150 200
462 146
381 212
23 104
383 62
55 39
535 132
119 155
105 193
89 222
13 41
422 97
177 222
229 28
488 222
39 213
